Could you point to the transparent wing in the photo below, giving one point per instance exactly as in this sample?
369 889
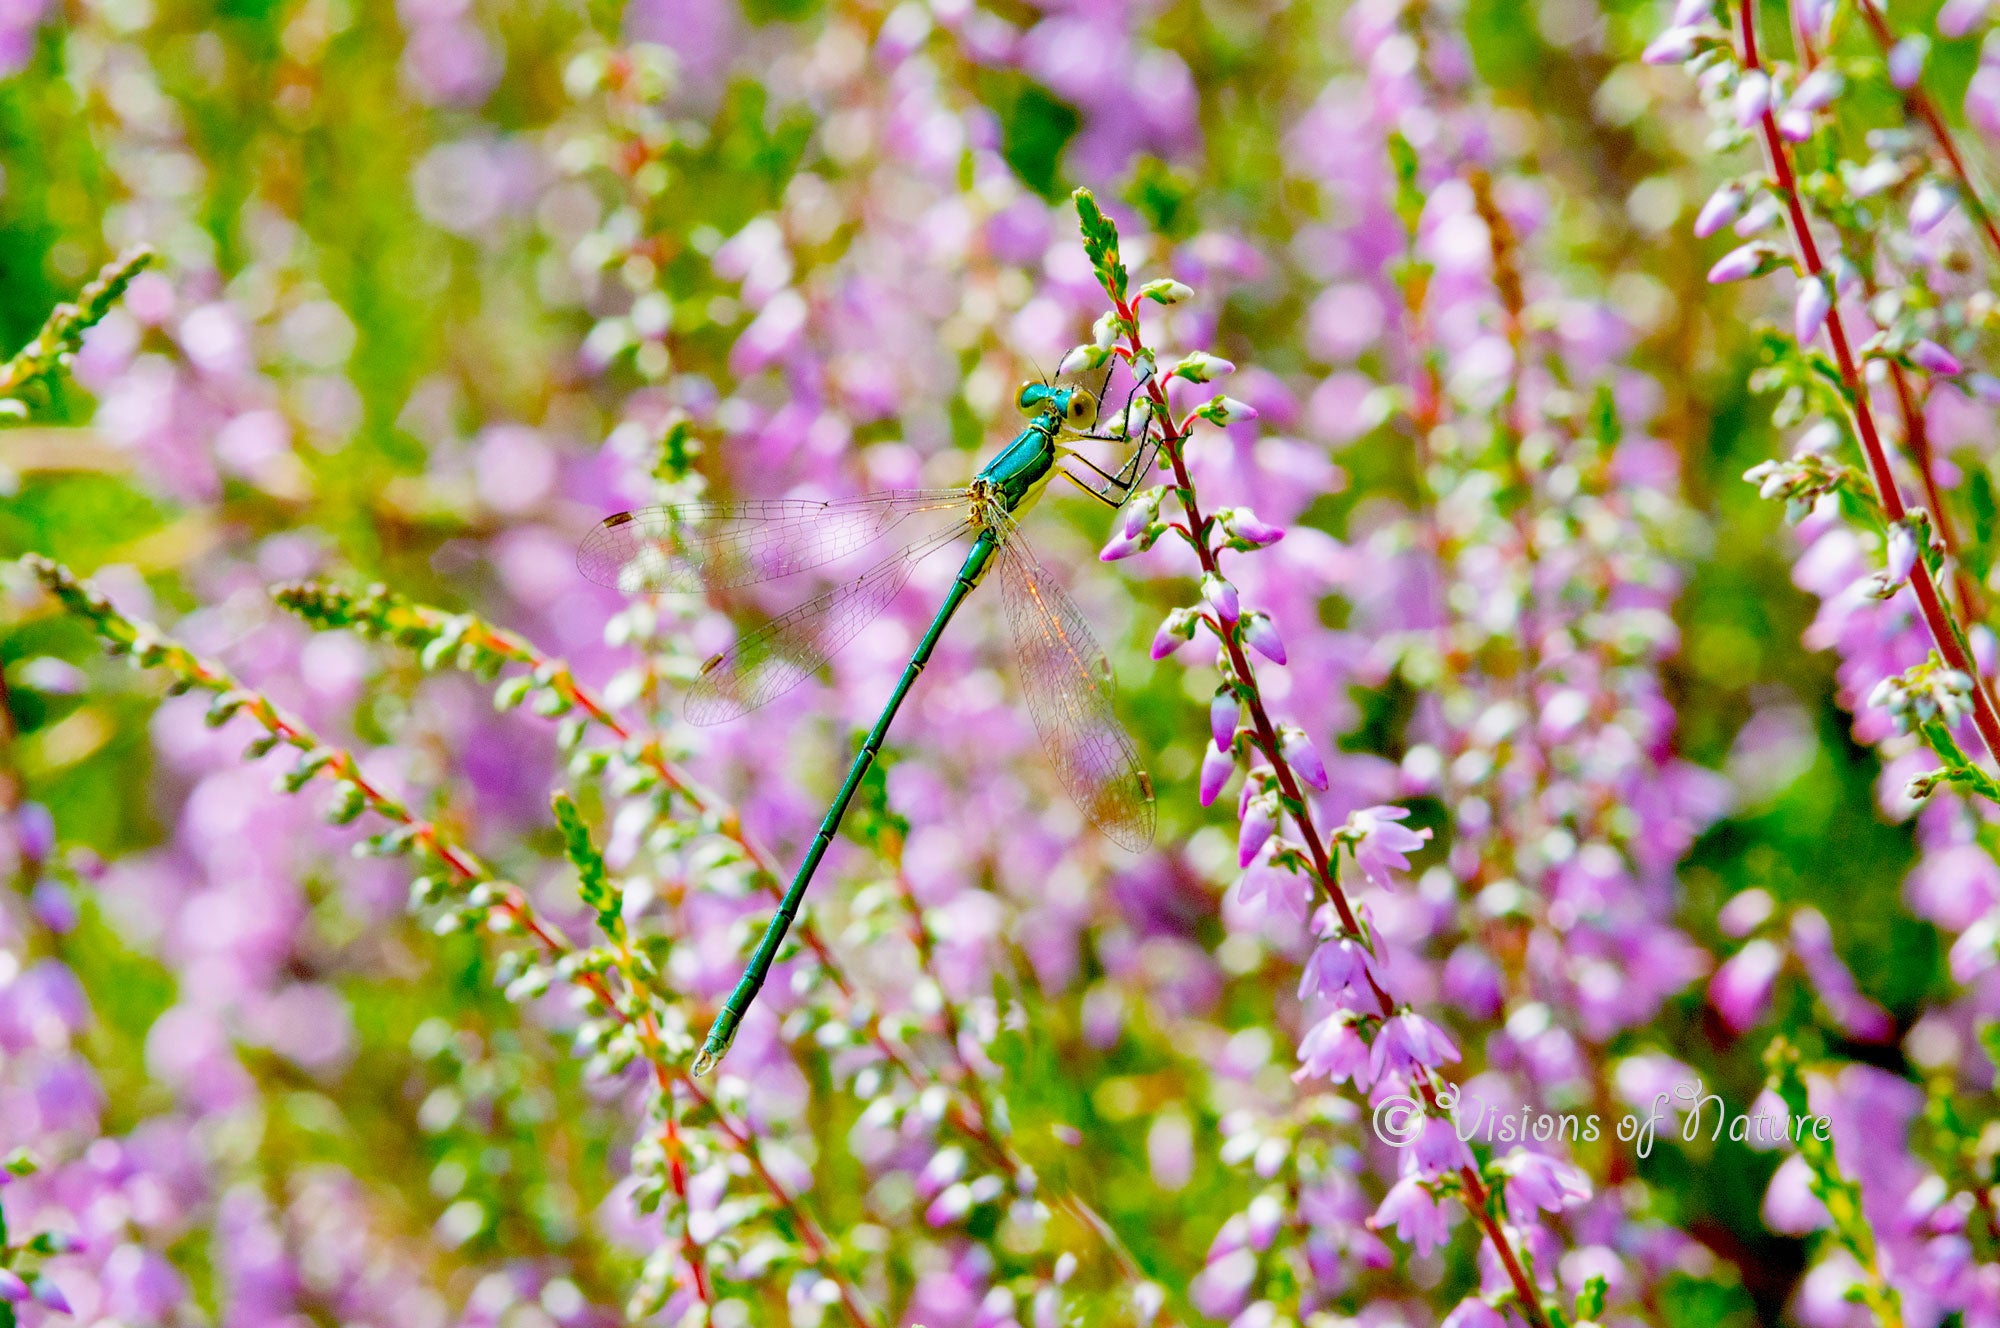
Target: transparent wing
719 545
1067 682
1094 381
787 650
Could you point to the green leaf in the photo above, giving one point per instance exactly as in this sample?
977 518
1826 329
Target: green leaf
1100 244
594 884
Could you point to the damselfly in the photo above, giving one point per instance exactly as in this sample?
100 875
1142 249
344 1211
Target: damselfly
1065 677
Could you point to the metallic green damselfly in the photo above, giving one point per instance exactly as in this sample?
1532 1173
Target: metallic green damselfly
1065 676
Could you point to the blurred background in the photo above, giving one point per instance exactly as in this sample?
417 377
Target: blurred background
442 282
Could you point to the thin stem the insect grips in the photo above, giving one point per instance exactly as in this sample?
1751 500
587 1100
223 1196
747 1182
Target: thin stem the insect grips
1264 735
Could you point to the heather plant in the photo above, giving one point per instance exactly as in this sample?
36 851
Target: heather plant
1574 897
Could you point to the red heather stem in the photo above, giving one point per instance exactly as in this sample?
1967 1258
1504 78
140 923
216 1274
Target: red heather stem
1926 110
1944 629
515 905
1478 1199
1917 437
973 1125
1915 432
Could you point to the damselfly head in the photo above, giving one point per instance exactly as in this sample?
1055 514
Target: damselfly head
1076 405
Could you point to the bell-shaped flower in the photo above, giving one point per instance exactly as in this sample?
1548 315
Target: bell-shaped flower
1221 596
1415 1213
1260 820
1263 637
1379 842
1225 712
1809 315
1216 766
1741 988
1723 206
1298 751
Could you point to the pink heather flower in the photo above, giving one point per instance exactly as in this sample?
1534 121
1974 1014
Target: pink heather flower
1438 1149
52 1296
1221 597
1138 515
1263 637
1741 988
1381 843
1790 1206
1906 62
1333 1050
1246 526
1977 949
1216 766
950 1206
1902 553
1278 892
1416 1215
1723 206
1814 15
1959 16
1982 100
1335 968
1225 712
1856 1015
1817 90
1298 750
34 831
1932 205
1810 314
1753 97
945 1168
1933 358
1228 410
1258 824
1689 12
1671 47
1795 125
1173 634
1536 1180
1407 1041
1738 263
1222 1288
1121 546
1745 912
1472 1312
12 1288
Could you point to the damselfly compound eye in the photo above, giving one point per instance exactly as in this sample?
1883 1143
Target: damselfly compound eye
1082 410
1031 396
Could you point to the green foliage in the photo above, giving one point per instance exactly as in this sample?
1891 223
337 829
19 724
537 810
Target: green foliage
594 883
62 334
